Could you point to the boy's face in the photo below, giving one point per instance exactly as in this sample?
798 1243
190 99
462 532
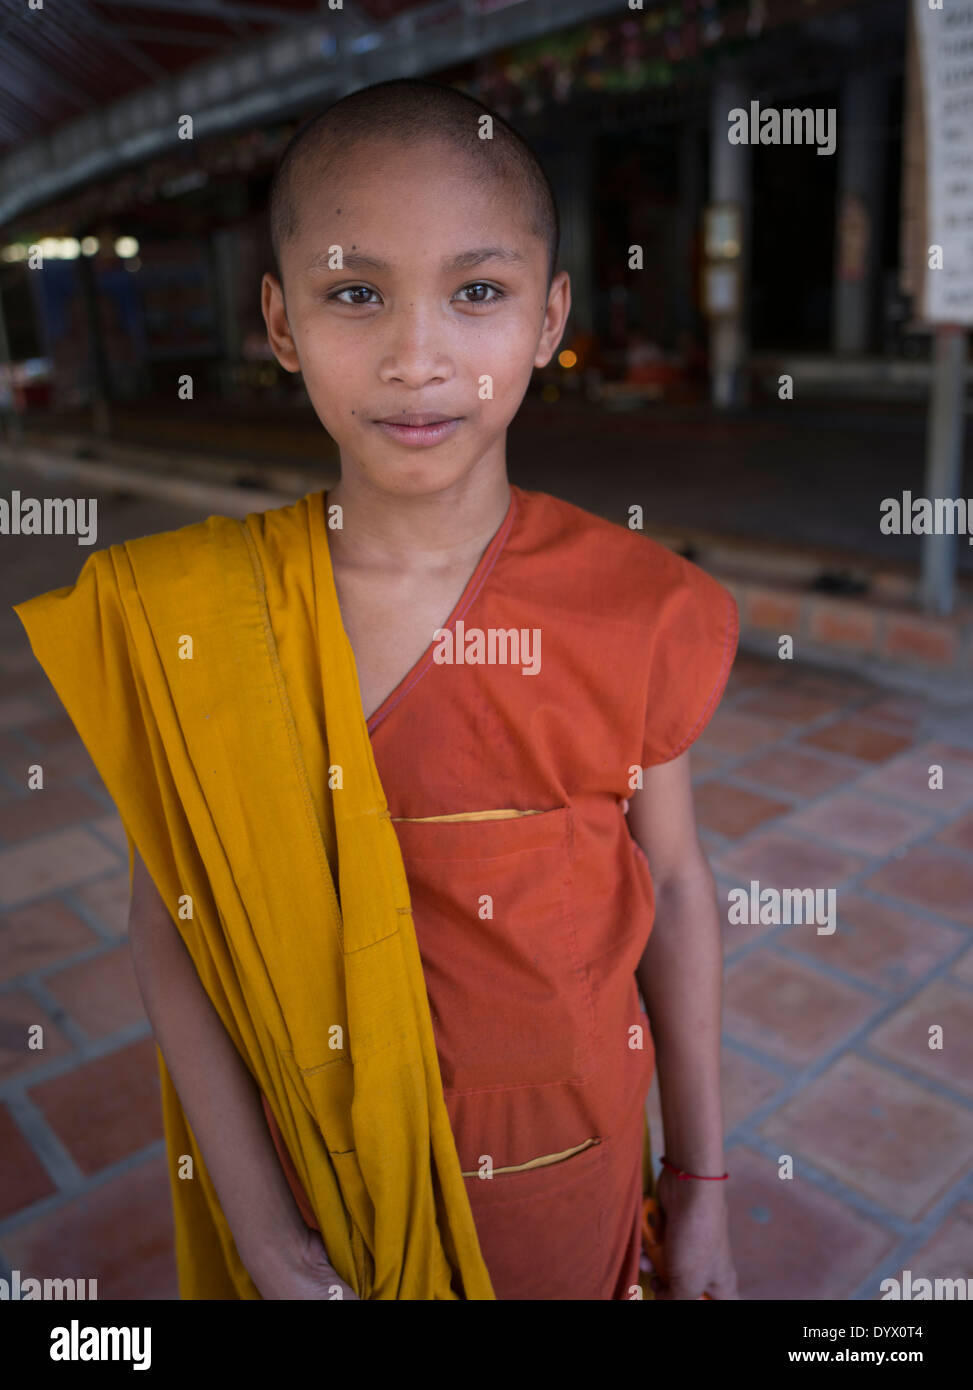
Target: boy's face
415 336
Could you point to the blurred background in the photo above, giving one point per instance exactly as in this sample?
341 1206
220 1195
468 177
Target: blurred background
779 360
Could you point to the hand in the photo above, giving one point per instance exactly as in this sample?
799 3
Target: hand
697 1239
305 1272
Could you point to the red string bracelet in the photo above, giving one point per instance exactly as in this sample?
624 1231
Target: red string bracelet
681 1173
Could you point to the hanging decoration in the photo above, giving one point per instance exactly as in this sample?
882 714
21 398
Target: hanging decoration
634 51
639 49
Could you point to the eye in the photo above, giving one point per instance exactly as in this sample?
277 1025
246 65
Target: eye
480 285
352 289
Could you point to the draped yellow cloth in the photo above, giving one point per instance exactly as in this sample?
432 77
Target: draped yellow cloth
243 773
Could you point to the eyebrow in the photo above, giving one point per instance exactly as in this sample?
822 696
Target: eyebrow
466 260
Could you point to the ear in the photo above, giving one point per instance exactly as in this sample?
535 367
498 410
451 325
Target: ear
555 317
278 329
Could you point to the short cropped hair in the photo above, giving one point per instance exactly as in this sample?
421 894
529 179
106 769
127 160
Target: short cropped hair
409 109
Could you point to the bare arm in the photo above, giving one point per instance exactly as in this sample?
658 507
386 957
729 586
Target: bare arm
222 1104
681 979
681 971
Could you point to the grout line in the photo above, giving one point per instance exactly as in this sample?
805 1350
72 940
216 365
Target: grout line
820 1179
66 891
88 1050
88 1184
47 1148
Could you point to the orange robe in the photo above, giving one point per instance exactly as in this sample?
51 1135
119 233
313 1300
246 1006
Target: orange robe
531 923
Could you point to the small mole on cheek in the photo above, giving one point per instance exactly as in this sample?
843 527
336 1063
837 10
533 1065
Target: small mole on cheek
337 212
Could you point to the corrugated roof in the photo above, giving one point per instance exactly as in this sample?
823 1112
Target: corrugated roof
70 58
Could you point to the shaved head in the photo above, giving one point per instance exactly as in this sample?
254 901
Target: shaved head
406 111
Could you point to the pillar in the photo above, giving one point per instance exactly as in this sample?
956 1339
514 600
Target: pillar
859 209
730 182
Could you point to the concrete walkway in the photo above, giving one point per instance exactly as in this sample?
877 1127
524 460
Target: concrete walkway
802 780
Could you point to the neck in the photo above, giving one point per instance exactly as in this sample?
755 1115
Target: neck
396 531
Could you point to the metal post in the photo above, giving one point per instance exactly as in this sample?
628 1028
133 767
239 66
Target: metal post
944 465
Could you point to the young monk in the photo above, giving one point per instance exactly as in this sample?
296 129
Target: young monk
532 678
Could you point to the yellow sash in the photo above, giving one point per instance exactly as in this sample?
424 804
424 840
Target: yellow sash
164 656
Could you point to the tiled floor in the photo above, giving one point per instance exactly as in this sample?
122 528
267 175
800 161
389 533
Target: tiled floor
833 1056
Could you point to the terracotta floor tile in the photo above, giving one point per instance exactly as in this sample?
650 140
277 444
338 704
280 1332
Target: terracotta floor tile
884 1136
948 1253
57 728
729 732
701 763
856 739
790 1240
19 1012
778 860
104 1110
109 899
881 945
859 823
787 1010
904 1036
10 747
788 705
17 710
111 828
16 768
746 1086
955 755
17 656
44 810
66 760
737 934
101 994
963 969
741 934
959 834
731 811
32 682
749 670
49 863
120 1233
795 771
932 878
838 685
24 1179
907 779
903 711
40 935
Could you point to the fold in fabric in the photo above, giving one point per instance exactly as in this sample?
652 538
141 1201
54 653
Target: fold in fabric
164 656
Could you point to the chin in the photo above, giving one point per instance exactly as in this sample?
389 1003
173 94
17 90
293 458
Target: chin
417 476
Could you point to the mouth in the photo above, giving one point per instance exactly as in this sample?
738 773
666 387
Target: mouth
418 429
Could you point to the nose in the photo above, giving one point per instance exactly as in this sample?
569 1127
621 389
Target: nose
416 351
